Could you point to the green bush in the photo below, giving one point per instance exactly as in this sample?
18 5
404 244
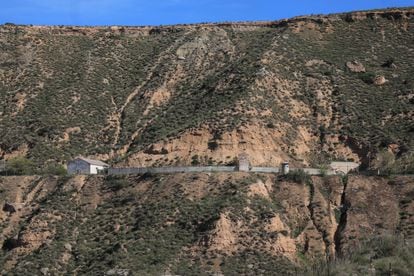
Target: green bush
298 176
55 169
367 77
212 145
233 162
387 255
194 160
324 170
20 166
116 183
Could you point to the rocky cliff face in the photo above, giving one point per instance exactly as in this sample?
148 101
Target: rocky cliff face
170 95
194 223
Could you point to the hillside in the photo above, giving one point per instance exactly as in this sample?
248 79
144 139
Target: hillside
200 224
307 90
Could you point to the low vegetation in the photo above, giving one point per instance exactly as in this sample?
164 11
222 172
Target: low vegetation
22 166
60 99
299 176
381 255
194 224
117 92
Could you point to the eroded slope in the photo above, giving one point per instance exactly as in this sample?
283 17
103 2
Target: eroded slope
194 223
335 86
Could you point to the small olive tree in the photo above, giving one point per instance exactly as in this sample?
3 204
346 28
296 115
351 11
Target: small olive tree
20 166
54 169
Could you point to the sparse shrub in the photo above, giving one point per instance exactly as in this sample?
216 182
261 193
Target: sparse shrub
233 162
388 63
20 166
213 145
54 169
324 170
116 183
385 254
338 214
322 134
299 176
194 160
367 77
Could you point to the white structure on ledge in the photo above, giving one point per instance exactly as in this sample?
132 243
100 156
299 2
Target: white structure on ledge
81 165
343 167
244 164
285 167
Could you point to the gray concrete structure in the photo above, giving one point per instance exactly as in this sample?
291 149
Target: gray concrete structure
264 170
343 167
244 164
166 170
285 167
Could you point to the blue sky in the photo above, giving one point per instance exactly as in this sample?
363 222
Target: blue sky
162 12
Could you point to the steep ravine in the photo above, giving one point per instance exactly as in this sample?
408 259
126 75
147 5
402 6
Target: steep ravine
342 219
322 229
154 224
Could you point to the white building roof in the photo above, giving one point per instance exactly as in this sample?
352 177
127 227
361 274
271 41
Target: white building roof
93 162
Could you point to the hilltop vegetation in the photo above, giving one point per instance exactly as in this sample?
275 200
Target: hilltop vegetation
162 95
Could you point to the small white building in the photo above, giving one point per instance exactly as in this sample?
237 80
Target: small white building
343 167
81 165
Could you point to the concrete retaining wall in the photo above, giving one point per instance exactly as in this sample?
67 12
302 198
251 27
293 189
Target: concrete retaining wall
312 171
265 170
161 170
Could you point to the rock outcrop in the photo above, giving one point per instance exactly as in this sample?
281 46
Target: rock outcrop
355 66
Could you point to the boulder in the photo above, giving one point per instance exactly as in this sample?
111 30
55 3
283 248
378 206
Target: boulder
68 246
44 271
380 80
118 272
355 66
